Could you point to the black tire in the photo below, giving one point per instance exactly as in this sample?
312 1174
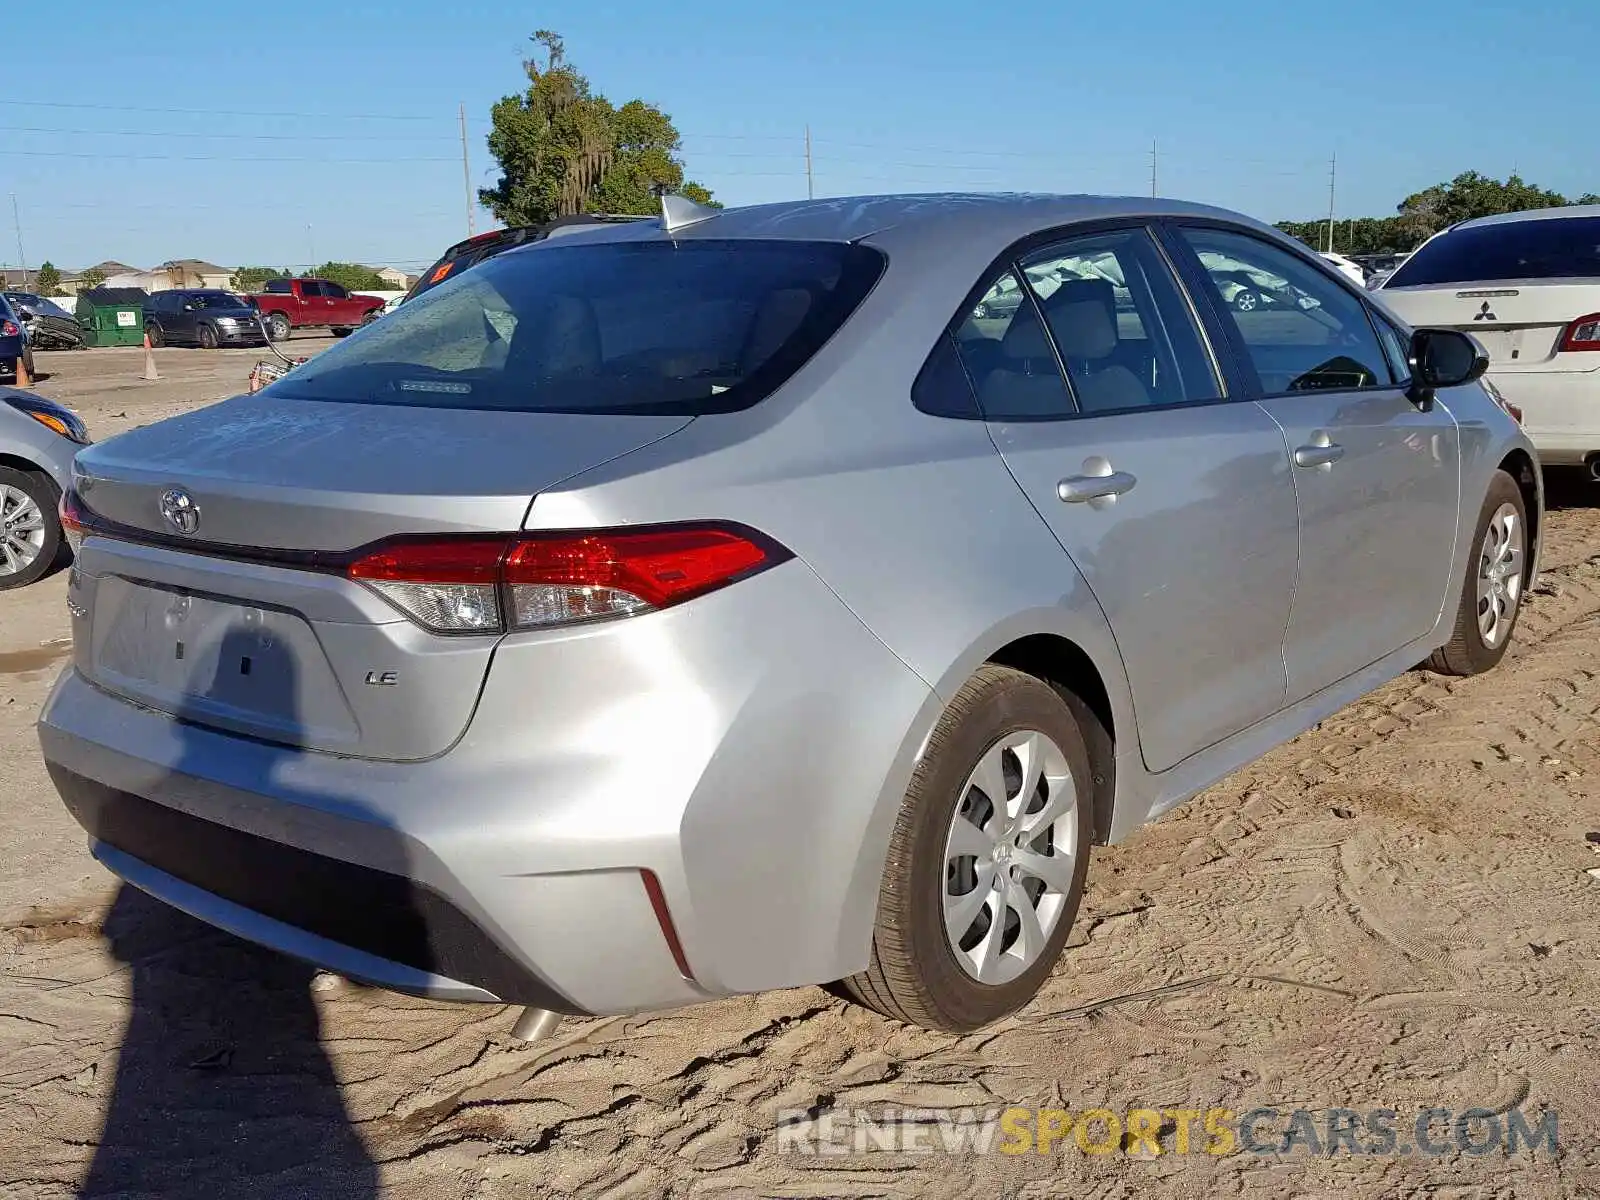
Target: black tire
371 315
153 332
1466 653
913 975
1246 300
27 361
42 491
278 328
341 331
207 337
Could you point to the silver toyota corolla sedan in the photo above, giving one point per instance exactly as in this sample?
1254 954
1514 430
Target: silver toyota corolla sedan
743 599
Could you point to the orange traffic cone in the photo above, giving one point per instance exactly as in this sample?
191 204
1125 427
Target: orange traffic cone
149 360
23 379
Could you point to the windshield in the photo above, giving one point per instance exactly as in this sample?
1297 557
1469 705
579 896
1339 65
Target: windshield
1550 248
618 327
217 300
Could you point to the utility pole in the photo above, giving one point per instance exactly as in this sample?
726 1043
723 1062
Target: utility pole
311 249
1153 150
22 256
1333 175
466 170
811 190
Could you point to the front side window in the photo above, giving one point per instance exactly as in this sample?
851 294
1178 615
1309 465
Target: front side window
311 287
651 327
1301 330
334 290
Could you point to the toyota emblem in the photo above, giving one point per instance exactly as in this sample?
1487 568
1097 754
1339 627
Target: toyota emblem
180 510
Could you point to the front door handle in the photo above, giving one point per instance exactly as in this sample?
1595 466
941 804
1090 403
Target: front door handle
1079 489
1318 454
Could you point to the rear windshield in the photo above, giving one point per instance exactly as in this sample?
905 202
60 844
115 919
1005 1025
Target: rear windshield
1553 248
617 327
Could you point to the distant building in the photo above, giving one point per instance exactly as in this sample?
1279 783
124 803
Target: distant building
15 279
394 277
192 273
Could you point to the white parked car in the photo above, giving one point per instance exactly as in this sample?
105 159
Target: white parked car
1350 270
1527 286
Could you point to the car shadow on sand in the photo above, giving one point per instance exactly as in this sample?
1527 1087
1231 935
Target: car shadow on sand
222 1088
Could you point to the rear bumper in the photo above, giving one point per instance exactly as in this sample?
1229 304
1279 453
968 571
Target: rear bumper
1560 411
754 781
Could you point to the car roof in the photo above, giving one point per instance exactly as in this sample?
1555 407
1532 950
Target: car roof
1532 214
988 216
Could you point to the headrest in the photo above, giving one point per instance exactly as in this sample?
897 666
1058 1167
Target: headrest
570 341
1024 337
1083 317
779 315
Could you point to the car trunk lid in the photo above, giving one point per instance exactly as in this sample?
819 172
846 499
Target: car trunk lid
1520 324
245 622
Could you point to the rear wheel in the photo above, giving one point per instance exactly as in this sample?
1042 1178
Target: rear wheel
27 361
1491 592
278 327
987 861
30 530
207 337
341 331
153 332
1246 300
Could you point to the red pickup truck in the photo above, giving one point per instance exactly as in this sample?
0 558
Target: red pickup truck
289 304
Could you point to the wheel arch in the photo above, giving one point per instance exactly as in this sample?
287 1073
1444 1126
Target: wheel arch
1519 464
1069 669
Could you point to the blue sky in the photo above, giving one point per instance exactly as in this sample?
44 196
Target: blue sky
1246 100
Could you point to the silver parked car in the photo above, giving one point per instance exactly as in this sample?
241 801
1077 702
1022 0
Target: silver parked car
718 604
38 438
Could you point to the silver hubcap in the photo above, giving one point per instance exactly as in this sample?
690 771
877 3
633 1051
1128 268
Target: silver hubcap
21 530
1499 575
1010 857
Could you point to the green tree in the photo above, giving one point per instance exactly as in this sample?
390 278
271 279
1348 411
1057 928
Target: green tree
353 277
1471 195
565 149
92 278
1424 213
250 279
48 280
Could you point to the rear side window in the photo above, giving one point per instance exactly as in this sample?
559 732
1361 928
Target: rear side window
616 327
1553 248
276 287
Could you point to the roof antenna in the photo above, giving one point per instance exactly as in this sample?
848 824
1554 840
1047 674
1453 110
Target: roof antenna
678 212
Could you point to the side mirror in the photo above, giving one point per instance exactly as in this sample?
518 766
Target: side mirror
1445 358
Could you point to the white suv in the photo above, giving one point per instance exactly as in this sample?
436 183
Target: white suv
1527 286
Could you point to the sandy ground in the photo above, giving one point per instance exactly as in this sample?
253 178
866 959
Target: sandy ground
1392 911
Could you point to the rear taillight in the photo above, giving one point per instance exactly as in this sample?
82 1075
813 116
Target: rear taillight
1582 334
9 329
475 584
70 511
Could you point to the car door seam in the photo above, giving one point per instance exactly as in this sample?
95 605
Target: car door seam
1299 549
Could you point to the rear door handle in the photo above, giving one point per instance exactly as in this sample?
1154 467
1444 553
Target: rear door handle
1079 489
1323 454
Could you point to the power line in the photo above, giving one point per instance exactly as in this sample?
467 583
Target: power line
231 136
330 162
219 112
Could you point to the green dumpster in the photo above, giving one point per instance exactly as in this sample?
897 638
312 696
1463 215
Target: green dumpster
112 316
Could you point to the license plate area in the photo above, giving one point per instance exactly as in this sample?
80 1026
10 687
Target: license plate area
217 661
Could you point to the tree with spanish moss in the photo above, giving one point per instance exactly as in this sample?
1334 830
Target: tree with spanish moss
565 149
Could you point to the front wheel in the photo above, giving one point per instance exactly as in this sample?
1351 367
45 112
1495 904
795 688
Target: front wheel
30 530
207 337
1491 593
987 861
1246 300
278 327
341 331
